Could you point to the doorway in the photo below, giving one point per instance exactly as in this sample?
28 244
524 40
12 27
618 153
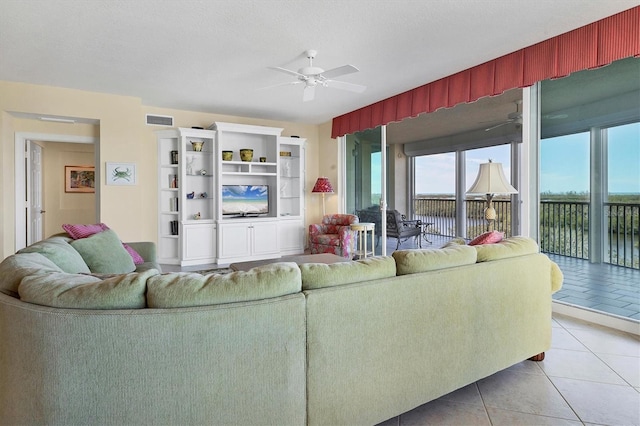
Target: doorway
26 223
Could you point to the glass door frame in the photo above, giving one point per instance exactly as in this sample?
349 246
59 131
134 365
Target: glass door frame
342 162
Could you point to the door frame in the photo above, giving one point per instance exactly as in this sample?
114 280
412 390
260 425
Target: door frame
21 191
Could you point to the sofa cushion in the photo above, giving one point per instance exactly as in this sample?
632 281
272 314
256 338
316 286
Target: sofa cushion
83 231
490 237
458 241
179 290
510 247
415 261
17 266
58 250
104 253
78 291
319 275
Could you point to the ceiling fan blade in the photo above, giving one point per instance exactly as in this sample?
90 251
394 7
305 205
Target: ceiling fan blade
286 71
337 72
309 93
342 85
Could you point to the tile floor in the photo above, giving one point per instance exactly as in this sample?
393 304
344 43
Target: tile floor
591 376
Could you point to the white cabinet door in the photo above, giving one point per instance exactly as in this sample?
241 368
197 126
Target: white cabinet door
291 236
199 242
265 238
234 240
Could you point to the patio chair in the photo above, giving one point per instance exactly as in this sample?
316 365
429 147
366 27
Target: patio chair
402 229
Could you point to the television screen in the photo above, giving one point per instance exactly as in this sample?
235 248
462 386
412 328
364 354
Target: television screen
245 200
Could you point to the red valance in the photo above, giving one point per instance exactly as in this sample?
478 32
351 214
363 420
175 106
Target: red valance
591 46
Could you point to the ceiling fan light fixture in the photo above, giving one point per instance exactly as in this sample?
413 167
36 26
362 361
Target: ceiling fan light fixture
316 76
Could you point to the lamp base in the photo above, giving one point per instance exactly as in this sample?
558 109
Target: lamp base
490 212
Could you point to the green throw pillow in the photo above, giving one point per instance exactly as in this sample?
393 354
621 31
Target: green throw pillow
104 253
58 250
18 266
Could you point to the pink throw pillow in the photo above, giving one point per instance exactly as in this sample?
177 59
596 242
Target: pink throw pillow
137 259
83 231
491 237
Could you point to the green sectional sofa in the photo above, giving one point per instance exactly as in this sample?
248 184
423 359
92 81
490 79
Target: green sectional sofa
343 344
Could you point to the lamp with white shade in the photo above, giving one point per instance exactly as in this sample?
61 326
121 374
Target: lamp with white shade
323 186
491 181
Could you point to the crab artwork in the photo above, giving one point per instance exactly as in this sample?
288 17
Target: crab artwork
121 174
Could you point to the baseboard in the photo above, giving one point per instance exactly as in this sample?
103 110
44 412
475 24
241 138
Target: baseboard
617 322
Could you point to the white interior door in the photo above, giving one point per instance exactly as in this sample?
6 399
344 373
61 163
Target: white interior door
35 208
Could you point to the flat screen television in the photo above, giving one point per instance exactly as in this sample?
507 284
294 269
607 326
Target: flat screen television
245 200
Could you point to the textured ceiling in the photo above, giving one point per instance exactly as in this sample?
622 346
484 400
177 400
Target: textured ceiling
213 56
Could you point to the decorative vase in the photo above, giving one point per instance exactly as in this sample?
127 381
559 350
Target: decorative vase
227 155
246 154
197 146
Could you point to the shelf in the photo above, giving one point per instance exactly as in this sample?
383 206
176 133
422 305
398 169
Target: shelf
169 166
248 174
170 236
197 221
170 189
170 213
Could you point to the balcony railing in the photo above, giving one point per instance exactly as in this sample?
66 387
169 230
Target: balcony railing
564 226
441 212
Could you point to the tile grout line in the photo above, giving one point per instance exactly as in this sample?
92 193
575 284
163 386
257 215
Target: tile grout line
601 360
554 385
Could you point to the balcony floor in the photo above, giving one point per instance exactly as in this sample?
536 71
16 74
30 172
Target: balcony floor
601 287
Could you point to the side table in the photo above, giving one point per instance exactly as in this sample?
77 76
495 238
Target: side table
363 229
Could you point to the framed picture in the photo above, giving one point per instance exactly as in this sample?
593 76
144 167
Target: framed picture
121 174
79 179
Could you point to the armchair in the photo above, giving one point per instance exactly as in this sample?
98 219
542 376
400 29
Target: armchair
402 229
333 235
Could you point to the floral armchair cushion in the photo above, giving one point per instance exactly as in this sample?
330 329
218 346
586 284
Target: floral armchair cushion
333 235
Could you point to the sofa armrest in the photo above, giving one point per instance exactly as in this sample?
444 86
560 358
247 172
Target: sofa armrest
146 249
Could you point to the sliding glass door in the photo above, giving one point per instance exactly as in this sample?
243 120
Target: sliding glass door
365 180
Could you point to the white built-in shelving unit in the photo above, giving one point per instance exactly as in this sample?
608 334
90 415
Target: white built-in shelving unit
194 229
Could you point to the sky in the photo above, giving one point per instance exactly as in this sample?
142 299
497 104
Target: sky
435 174
564 164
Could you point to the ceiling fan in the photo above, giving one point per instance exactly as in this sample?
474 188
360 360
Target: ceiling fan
513 117
313 77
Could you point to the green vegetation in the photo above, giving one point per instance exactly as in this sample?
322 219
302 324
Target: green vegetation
564 222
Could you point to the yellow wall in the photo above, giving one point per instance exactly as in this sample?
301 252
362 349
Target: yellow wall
124 137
